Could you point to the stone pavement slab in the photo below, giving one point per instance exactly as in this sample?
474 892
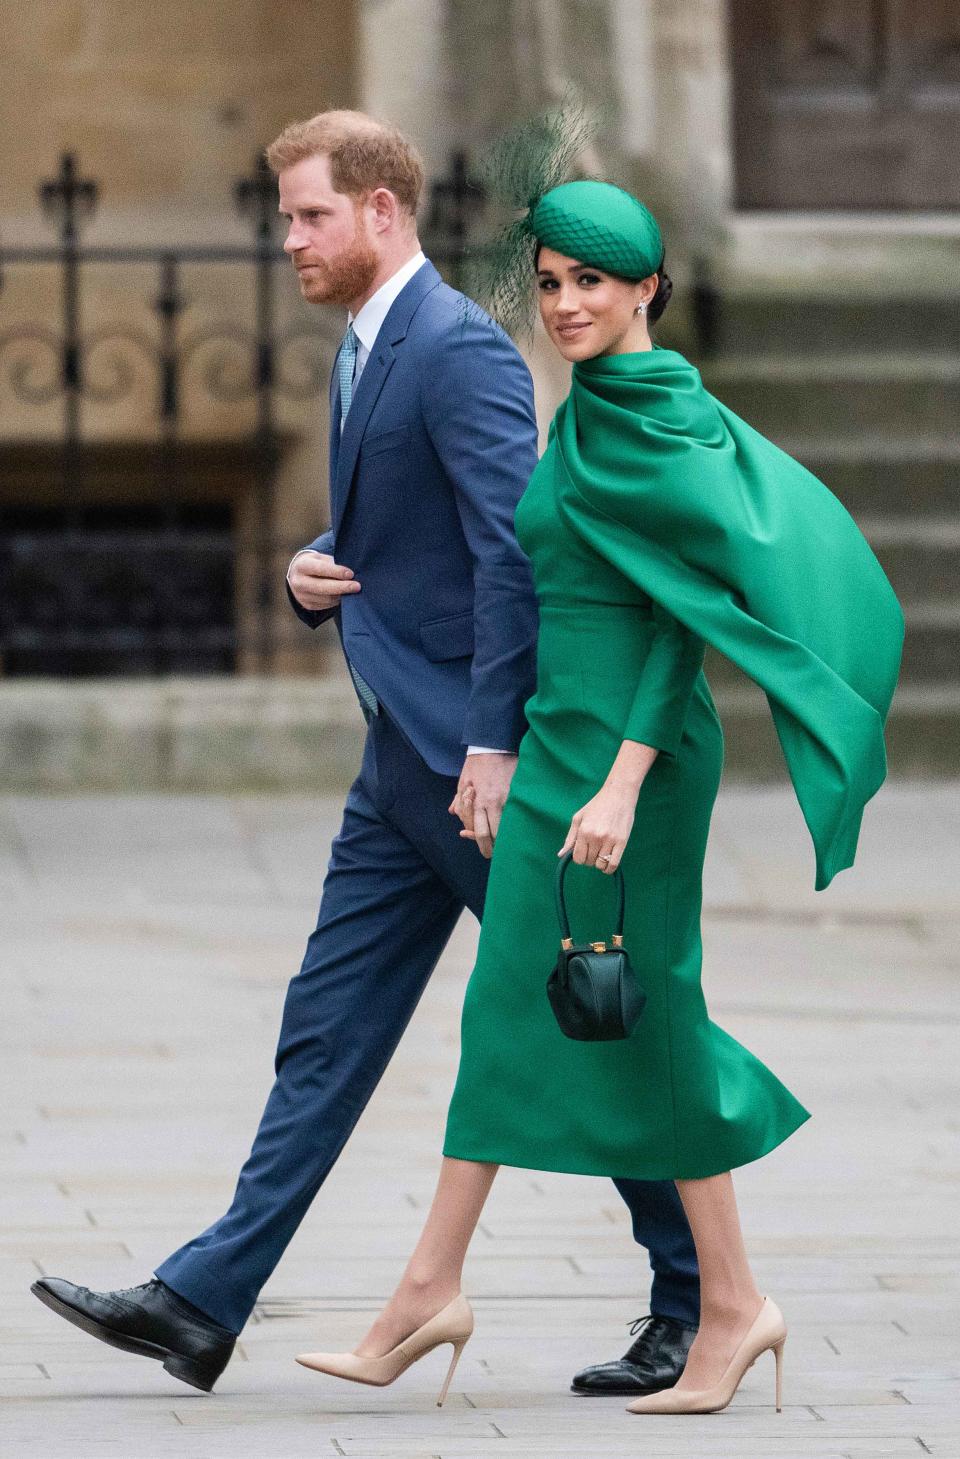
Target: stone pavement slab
146 943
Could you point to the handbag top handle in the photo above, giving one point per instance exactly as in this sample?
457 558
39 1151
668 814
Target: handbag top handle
564 920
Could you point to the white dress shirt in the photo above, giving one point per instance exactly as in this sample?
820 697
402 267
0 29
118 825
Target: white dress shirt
369 319
366 326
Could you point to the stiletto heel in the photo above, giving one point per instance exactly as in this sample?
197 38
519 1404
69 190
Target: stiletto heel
458 1348
452 1324
767 1331
778 1355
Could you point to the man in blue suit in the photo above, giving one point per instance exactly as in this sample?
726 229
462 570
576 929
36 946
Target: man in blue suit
432 440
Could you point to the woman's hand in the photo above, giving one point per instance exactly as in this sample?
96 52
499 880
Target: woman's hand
599 830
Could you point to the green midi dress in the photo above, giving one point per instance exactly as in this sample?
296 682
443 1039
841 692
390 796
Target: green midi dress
679 1097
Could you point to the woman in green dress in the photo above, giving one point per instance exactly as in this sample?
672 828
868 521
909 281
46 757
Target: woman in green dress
656 522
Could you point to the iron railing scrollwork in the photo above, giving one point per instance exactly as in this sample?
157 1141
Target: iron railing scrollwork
101 580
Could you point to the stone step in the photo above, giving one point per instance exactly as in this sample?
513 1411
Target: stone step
920 555
756 324
792 397
212 733
923 732
931 650
885 474
222 735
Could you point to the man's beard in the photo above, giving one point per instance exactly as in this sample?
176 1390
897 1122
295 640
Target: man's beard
344 277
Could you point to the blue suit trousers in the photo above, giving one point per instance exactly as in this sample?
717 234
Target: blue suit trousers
398 879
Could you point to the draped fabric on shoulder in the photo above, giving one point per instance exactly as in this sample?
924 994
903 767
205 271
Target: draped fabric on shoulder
751 552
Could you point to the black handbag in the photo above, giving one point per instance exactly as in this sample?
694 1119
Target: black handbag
593 989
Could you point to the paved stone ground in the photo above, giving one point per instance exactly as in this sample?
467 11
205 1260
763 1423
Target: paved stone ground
146 944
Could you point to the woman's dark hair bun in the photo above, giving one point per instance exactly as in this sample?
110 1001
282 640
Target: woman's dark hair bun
661 298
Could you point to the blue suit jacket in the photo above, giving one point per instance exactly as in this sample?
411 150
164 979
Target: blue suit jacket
439 443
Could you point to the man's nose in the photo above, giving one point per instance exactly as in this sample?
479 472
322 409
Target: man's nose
293 241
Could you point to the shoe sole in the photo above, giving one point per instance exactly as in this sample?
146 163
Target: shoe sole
186 1369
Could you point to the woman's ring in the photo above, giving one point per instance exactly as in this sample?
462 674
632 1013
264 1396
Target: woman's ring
602 858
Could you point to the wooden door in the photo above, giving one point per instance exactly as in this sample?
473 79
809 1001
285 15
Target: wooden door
846 103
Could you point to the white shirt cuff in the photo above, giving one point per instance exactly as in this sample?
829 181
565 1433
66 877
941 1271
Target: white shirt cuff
486 750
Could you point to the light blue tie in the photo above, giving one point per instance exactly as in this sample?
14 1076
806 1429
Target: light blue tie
345 369
367 697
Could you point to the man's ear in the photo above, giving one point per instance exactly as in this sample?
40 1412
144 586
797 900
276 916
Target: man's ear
385 208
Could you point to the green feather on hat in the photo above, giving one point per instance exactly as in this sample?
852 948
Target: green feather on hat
594 222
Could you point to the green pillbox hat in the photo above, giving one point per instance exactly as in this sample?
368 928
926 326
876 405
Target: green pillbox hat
599 224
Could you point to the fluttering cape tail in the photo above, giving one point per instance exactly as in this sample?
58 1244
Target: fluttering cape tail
751 552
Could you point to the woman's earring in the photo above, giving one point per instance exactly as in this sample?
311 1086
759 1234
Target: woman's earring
640 309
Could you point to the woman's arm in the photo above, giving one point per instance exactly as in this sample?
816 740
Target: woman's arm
599 830
669 673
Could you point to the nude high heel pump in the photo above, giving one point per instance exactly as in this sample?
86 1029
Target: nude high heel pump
452 1324
768 1331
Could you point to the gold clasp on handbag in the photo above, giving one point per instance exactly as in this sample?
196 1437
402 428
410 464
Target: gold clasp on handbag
599 946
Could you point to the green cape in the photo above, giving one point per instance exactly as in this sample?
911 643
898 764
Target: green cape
751 552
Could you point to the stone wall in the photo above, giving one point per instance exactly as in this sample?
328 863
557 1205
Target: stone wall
164 102
164 105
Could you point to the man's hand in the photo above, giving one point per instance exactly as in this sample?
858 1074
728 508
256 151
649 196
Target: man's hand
483 787
318 583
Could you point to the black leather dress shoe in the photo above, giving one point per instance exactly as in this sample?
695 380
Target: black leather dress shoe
654 1362
150 1320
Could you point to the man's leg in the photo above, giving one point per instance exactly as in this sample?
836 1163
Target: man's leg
656 1358
385 917
660 1225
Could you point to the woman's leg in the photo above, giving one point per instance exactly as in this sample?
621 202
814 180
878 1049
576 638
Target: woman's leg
432 1275
729 1298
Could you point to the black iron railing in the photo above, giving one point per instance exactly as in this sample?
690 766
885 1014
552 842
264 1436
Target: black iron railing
112 557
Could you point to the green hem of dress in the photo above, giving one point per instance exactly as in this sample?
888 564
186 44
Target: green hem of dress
647 1172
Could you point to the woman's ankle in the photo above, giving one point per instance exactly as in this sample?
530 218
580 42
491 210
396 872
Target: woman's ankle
731 1309
423 1284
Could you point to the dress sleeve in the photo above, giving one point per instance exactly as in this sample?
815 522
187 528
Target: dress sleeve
667 679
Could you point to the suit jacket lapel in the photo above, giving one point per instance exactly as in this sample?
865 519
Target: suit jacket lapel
369 386
334 395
